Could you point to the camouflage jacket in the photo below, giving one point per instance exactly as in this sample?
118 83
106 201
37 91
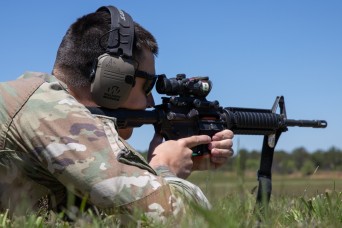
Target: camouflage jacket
51 145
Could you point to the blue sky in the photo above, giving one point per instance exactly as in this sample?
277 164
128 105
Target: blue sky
253 51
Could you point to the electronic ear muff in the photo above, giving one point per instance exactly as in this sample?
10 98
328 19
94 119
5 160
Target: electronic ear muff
112 76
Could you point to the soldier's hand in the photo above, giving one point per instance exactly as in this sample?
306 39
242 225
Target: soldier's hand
221 150
177 154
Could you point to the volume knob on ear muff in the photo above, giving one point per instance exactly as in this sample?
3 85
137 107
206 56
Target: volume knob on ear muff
113 82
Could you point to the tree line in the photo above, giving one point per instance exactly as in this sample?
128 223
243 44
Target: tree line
298 160
284 162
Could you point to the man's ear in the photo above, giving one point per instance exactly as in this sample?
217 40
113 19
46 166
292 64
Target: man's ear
54 71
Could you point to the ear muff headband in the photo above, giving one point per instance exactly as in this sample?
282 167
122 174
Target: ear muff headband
113 73
121 35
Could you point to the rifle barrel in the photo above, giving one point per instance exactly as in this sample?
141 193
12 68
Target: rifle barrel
306 123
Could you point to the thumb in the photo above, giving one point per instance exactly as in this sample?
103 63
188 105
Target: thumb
196 140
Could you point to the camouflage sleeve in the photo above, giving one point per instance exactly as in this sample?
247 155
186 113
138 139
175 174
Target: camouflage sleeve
187 189
85 154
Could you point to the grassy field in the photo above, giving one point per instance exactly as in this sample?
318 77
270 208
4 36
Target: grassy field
297 201
216 183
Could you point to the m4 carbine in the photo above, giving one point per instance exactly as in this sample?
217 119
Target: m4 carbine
187 112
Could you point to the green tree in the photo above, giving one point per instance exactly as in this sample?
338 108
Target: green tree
252 164
288 166
300 155
308 168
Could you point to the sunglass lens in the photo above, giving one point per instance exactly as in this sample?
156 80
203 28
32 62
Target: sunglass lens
149 84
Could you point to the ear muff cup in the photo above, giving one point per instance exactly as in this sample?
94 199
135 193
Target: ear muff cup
113 81
112 75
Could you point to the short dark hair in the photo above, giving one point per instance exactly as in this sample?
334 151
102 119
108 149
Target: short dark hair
80 46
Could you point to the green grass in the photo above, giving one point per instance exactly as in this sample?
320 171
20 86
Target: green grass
220 183
296 202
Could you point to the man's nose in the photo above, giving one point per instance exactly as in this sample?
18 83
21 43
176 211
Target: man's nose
150 101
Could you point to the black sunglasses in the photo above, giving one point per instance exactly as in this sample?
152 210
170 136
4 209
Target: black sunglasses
150 80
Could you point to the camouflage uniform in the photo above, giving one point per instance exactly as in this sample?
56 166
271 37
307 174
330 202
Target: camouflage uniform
50 145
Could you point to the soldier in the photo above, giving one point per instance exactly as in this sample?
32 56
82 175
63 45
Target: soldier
52 147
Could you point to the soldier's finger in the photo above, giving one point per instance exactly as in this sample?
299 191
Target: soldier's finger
196 140
225 134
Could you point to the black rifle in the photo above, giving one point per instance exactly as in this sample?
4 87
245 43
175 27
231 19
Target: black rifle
187 112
